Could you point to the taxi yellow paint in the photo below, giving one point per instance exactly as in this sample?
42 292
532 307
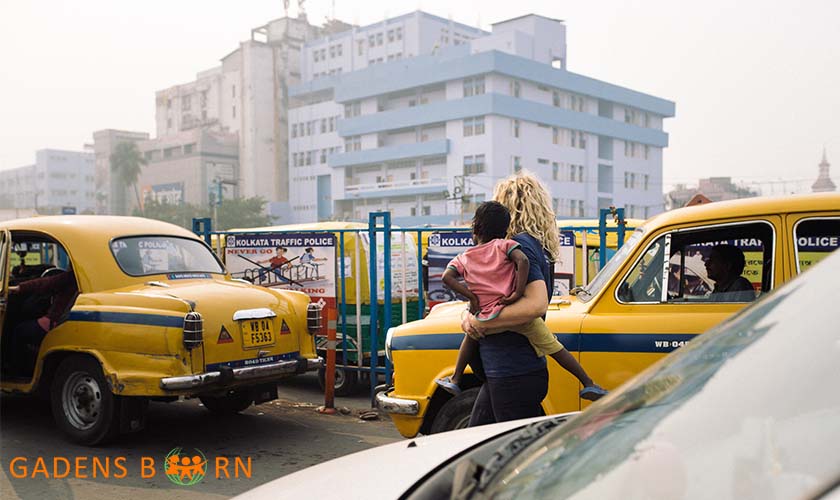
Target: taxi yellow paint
133 326
613 339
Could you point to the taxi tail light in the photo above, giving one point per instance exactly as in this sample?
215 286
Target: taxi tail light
193 330
314 318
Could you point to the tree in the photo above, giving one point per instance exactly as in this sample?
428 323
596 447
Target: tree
126 163
236 212
241 213
180 214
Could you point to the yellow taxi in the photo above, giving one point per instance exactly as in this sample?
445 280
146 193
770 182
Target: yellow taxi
113 312
652 297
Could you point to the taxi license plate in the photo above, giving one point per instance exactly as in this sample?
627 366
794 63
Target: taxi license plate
257 333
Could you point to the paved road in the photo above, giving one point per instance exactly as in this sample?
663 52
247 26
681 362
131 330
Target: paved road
280 437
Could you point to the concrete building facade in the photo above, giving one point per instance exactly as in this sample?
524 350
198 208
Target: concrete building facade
58 180
421 116
246 97
190 167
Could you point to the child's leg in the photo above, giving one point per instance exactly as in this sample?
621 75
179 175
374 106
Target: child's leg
467 351
546 343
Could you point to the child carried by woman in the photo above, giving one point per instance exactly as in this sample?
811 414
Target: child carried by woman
496 273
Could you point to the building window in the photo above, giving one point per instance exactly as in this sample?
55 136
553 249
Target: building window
390 35
169 123
323 156
379 39
361 44
515 128
315 56
427 210
399 33
555 135
517 164
332 51
371 40
474 164
352 109
468 127
186 101
473 86
555 171
234 112
479 126
323 125
353 143
555 99
646 181
338 50
294 130
233 90
515 88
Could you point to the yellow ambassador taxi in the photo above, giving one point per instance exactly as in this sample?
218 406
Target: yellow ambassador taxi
155 317
652 297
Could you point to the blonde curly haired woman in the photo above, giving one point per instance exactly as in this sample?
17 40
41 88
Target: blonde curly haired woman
516 377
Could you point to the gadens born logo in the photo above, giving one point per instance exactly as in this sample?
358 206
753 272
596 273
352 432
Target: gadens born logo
185 469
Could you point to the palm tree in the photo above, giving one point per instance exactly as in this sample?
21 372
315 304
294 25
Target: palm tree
126 163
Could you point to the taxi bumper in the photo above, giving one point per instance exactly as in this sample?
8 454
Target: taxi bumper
241 374
397 406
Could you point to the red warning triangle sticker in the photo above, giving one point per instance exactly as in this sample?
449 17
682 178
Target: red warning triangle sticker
224 337
284 329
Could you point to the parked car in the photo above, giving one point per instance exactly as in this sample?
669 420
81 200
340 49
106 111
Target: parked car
155 317
748 410
647 301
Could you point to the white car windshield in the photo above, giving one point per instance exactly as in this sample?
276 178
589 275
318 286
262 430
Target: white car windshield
146 255
747 410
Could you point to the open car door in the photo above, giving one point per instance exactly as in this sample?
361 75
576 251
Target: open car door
5 252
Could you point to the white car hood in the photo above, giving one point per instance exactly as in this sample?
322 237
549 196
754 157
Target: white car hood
384 472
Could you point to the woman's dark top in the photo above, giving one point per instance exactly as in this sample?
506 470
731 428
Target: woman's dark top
509 354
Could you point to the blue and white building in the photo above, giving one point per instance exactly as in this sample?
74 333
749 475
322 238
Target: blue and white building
421 116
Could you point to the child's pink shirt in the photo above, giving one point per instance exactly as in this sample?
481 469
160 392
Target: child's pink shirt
489 274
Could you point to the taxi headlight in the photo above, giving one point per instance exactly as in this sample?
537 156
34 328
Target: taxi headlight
388 336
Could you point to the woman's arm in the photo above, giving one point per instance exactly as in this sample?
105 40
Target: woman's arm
532 305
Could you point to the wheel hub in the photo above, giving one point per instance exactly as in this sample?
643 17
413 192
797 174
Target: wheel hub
81 400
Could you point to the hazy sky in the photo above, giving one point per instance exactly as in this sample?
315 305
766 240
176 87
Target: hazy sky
756 83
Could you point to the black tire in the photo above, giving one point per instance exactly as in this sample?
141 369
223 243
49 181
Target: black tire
346 381
455 413
229 404
82 403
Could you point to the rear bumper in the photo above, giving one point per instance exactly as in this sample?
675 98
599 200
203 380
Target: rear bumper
207 379
397 406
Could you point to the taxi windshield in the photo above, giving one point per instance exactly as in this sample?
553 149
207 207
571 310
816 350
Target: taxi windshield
714 409
146 255
604 275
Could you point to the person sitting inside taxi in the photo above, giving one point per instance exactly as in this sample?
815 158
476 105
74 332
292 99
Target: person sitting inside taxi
27 335
724 266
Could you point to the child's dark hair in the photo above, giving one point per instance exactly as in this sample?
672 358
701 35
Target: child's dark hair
491 221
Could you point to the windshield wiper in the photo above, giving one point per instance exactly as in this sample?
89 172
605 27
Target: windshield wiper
472 477
578 290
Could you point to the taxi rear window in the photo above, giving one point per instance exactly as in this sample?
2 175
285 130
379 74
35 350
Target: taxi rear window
146 255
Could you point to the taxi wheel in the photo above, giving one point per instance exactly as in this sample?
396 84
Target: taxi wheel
232 402
82 403
455 413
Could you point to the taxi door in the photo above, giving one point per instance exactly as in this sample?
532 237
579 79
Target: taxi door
811 237
5 253
662 298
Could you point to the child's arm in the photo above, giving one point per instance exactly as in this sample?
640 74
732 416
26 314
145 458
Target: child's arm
522 267
450 279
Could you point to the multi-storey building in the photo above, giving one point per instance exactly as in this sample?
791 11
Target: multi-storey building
247 97
190 167
58 180
421 116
